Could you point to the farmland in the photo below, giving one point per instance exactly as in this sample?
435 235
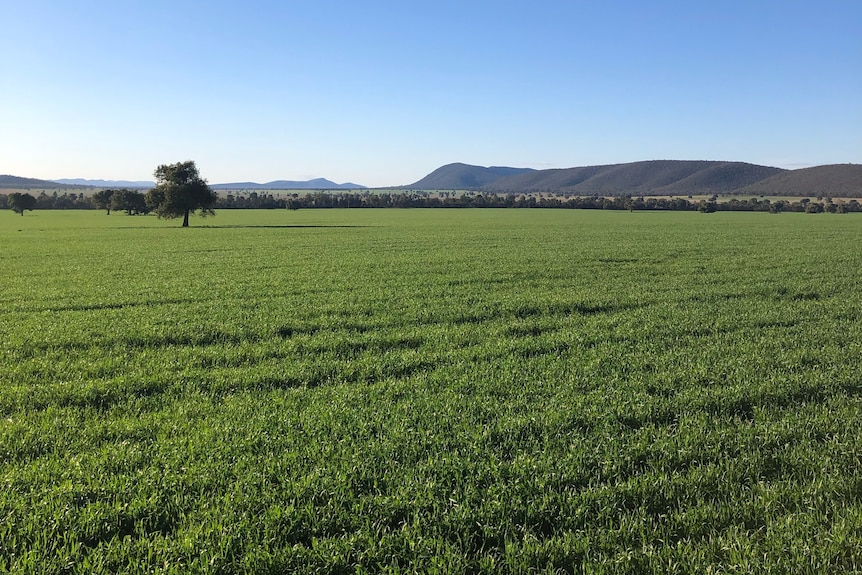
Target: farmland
436 391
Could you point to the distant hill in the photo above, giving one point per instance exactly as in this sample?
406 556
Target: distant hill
17 183
107 183
316 184
835 180
465 177
657 177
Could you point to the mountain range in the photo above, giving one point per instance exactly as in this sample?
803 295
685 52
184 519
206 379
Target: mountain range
106 183
16 182
655 177
315 184
19 183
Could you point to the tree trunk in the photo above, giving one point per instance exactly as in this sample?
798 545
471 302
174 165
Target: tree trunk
186 219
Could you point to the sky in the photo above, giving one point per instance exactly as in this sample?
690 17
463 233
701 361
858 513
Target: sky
381 93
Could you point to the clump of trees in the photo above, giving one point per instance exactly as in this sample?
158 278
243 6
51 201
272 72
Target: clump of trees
64 201
130 201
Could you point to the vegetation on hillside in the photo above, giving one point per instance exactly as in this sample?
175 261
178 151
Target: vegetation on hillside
460 176
653 178
661 177
844 180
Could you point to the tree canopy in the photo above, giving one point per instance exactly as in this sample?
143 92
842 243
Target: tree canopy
179 191
102 200
130 201
19 202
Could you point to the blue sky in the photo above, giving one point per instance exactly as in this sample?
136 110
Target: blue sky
383 92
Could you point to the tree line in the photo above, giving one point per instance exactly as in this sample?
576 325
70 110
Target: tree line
130 201
133 202
420 199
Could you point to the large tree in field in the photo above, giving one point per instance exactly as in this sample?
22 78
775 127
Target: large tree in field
179 191
19 202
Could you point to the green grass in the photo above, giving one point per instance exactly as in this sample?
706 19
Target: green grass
442 391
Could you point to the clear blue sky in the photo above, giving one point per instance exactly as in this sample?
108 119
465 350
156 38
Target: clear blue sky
382 92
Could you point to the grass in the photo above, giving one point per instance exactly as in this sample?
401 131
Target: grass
449 391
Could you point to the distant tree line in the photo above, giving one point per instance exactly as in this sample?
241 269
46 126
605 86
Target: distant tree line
419 199
130 201
134 202
45 201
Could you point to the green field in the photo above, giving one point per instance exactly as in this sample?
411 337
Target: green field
440 391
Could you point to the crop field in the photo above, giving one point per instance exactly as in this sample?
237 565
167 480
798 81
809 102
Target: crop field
431 391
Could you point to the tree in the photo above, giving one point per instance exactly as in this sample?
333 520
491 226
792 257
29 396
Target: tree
102 200
813 208
179 191
19 202
707 207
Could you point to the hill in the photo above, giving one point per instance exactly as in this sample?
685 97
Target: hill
107 183
656 177
465 177
18 183
835 180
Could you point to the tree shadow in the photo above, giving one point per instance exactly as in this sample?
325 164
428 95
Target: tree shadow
264 226
240 226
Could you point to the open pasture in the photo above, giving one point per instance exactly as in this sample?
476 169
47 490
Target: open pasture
435 391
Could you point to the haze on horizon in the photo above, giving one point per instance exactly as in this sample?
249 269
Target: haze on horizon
381 93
